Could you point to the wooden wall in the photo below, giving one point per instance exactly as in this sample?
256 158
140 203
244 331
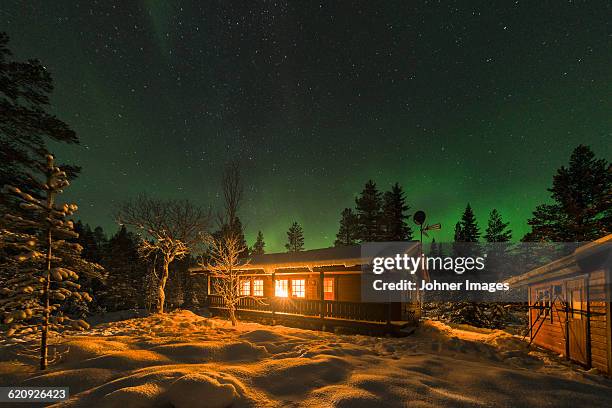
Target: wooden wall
552 333
599 321
348 288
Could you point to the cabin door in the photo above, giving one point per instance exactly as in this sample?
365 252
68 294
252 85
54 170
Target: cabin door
577 320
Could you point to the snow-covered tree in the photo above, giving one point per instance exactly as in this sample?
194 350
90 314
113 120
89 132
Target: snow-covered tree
170 229
39 263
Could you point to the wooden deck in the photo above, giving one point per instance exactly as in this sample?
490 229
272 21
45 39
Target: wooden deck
369 318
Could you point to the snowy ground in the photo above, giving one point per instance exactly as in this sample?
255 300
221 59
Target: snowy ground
183 360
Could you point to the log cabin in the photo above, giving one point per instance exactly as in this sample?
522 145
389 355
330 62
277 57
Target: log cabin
318 288
569 305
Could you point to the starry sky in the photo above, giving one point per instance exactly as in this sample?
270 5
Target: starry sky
459 101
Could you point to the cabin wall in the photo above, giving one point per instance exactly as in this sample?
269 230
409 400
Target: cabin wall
348 288
551 333
599 321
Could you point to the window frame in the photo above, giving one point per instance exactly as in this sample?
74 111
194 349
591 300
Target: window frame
329 294
254 290
301 288
277 283
245 283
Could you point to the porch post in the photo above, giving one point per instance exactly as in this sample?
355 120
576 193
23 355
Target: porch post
273 297
322 297
389 316
208 277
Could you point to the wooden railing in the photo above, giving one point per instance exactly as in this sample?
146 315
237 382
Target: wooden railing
372 312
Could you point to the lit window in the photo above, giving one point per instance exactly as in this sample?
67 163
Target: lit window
281 288
245 288
328 288
258 286
298 288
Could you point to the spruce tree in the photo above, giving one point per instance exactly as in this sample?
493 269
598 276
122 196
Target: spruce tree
259 246
394 225
497 230
295 238
582 202
41 262
369 213
348 233
25 124
466 230
469 231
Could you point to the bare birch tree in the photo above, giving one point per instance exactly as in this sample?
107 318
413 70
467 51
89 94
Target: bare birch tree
227 247
170 229
223 266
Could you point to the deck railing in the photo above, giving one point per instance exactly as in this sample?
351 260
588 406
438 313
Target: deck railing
371 312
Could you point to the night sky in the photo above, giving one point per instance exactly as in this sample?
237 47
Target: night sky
458 101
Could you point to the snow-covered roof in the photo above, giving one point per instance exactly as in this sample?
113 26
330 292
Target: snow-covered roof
601 250
345 256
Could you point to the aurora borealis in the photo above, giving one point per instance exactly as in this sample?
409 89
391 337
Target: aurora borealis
460 102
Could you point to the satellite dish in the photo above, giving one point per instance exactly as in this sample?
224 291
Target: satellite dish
419 217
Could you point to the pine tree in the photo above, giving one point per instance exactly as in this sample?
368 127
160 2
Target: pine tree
25 125
295 238
348 233
466 230
42 262
369 213
582 208
259 246
395 227
497 230
469 231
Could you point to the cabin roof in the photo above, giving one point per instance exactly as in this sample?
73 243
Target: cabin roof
568 265
344 256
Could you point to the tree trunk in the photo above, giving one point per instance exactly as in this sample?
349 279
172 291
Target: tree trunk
45 325
161 294
232 314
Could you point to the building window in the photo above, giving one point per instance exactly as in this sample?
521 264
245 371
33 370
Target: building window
245 288
281 288
543 300
298 288
328 288
258 287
